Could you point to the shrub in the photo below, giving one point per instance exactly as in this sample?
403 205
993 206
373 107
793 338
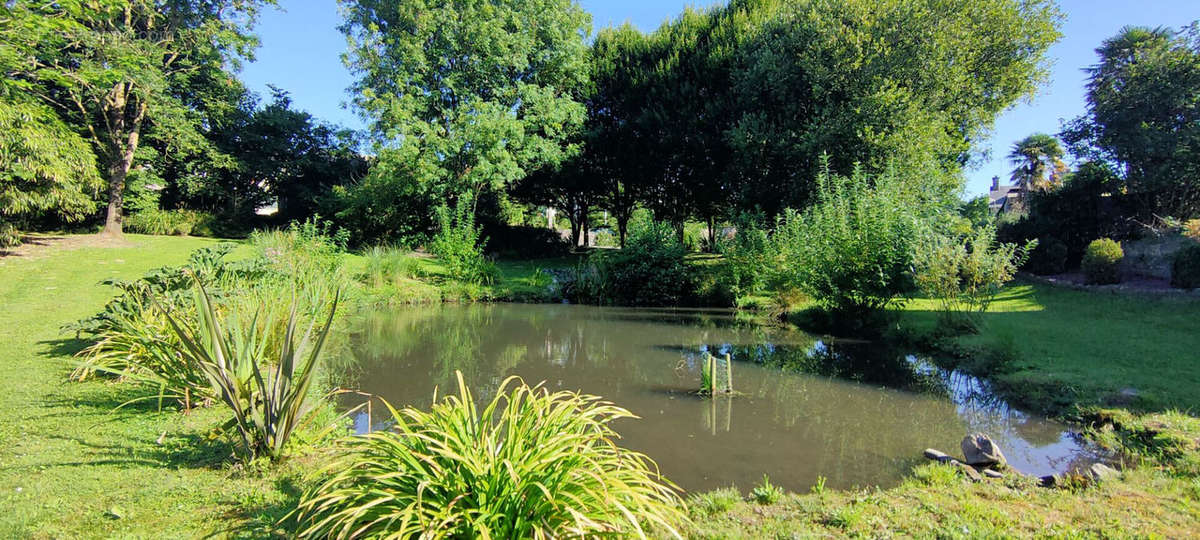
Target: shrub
748 260
168 222
649 271
9 237
1048 258
851 250
255 366
389 266
524 242
1185 269
966 273
458 244
530 464
1101 262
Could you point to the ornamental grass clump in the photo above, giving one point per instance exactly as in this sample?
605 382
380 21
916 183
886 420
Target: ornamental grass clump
529 464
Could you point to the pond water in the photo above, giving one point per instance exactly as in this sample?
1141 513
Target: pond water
808 407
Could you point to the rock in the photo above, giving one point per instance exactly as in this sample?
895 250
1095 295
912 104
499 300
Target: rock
980 450
937 455
1048 481
1100 472
993 474
967 471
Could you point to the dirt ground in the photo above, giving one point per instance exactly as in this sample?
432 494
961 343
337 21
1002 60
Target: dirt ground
37 245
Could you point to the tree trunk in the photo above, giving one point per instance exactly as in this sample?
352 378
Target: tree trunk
622 228
587 227
125 129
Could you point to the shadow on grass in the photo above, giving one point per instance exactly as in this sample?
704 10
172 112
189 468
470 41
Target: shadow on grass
265 519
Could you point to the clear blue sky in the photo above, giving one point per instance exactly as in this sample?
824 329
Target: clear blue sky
301 47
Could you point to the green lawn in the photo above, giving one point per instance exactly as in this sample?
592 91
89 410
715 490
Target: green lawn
72 466
1079 347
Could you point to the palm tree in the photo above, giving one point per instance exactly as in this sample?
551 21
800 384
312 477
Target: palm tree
1038 163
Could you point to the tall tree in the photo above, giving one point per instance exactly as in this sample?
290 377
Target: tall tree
112 67
481 91
1144 116
1037 162
914 82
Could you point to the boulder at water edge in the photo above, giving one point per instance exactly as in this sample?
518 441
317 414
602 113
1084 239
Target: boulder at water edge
979 450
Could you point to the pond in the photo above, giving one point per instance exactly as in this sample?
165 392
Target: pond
808 407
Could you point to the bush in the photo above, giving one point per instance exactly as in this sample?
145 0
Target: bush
748 259
169 222
1101 262
966 273
458 244
9 237
649 271
1048 258
524 242
851 251
1185 269
530 464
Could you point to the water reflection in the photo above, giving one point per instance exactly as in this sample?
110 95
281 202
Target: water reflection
853 412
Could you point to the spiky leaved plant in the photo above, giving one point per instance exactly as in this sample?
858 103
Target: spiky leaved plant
530 464
268 398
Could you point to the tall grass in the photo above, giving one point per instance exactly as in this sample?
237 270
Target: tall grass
530 464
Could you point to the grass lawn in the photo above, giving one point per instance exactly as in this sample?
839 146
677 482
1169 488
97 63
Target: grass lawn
72 466
1078 347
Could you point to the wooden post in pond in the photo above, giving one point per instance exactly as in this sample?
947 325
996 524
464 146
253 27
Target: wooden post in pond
712 375
728 373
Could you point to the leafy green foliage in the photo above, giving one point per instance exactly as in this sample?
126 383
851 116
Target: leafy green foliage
474 93
1142 116
168 222
649 271
766 492
852 250
9 237
262 376
748 256
1048 258
966 273
1185 269
529 464
459 245
44 166
1038 162
113 69
1102 260
902 82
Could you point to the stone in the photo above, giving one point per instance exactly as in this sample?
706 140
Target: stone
937 455
967 471
993 474
1100 472
979 450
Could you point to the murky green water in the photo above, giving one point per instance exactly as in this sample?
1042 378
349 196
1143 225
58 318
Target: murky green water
858 417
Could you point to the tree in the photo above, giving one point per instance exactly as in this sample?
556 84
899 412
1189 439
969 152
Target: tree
1144 117
481 92
1038 163
873 82
111 68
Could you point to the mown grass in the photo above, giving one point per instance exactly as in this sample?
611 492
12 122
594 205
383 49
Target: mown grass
73 467
1065 348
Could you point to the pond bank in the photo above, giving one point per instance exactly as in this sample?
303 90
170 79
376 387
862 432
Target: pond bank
72 467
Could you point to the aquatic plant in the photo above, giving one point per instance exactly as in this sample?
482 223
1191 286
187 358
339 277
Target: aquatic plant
530 464
268 396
